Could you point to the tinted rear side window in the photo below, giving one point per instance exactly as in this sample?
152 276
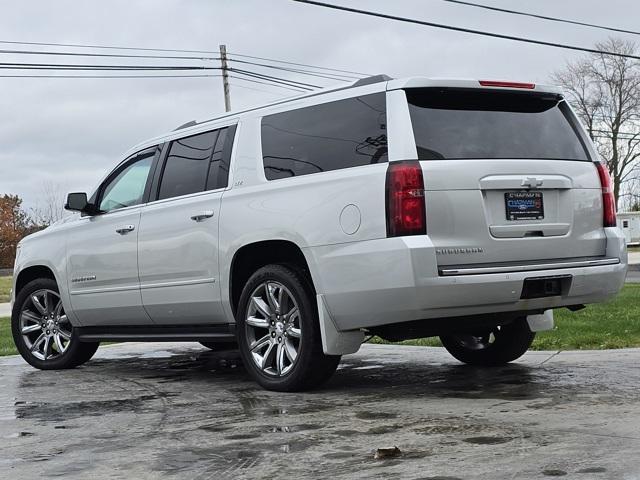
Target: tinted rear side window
466 124
187 165
341 134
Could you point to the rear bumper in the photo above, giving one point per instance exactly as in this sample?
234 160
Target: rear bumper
394 280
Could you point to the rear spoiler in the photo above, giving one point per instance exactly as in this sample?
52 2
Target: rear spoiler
422 82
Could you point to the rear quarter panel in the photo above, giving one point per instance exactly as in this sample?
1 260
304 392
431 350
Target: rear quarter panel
305 210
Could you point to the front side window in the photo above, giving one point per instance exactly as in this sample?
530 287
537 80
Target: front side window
330 136
126 189
450 123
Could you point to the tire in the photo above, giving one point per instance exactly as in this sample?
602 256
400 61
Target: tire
47 329
281 333
496 346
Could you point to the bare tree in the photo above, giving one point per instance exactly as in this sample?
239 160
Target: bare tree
605 92
50 208
631 196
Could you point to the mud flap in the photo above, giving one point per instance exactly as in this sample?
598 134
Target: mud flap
335 342
540 323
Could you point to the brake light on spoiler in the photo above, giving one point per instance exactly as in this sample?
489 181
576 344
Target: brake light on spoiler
497 83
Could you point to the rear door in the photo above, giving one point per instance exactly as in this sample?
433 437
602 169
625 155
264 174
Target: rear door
508 177
178 238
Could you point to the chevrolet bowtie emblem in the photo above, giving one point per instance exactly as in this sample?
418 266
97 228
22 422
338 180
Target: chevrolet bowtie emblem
532 182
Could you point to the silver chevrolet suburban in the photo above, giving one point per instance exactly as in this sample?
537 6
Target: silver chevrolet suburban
404 208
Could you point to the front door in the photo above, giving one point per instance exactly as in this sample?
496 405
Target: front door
103 250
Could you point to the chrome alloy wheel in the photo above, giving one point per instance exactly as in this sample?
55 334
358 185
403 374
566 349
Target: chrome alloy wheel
44 326
273 328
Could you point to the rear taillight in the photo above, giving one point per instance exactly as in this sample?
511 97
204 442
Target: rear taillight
406 210
608 200
498 83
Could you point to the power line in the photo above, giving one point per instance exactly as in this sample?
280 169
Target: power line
609 138
109 55
267 80
107 69
299 64
76 66
108 76
543 17
619 137
611 117
294 83
80 45
465 30
296 70
255 89
319 71
155 76
271 79
295 89
619 134
112 47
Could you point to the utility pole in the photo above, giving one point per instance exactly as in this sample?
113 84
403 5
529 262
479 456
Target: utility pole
225 78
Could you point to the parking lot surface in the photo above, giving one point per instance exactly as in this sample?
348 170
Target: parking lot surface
180 411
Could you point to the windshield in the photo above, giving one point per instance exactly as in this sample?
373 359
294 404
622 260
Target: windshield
453 123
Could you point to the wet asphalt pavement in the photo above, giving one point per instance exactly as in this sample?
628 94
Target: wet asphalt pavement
142 411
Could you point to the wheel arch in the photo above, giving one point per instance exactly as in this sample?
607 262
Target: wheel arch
252 256
31 273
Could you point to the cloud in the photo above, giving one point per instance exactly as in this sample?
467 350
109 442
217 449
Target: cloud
72 131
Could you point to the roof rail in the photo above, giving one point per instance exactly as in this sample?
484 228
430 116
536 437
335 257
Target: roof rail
188 124
372 79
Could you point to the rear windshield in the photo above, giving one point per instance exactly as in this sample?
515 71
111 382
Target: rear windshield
477 124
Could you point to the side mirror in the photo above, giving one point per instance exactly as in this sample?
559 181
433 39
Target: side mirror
77 202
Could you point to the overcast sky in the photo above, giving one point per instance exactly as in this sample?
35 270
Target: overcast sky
69 132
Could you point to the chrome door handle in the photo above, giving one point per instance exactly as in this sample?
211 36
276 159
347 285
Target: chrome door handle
202 216
125 229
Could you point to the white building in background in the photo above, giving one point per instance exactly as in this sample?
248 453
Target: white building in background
630 223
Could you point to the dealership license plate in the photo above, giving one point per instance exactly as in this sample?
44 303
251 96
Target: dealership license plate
524 205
